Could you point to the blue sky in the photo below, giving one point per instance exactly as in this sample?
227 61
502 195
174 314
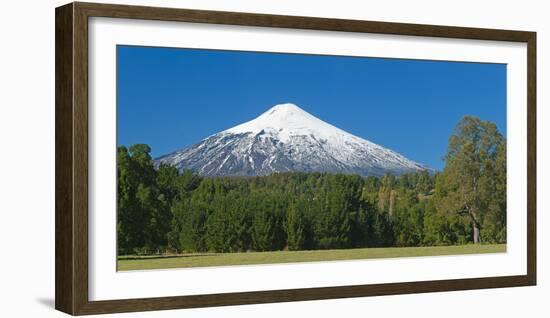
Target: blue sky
172 98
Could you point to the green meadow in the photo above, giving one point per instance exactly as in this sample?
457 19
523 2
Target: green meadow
128 263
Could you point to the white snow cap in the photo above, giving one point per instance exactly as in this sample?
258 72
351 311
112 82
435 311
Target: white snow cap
287 120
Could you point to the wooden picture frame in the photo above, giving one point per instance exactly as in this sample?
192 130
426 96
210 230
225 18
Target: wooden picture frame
71 90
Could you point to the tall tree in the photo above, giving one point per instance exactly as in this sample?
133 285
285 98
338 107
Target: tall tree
469 181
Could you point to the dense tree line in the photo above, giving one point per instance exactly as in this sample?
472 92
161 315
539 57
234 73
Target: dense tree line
161 209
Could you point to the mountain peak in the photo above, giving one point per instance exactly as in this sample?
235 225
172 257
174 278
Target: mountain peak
286 109
285 121
285 114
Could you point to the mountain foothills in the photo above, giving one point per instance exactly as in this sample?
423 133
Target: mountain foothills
287 139
164 207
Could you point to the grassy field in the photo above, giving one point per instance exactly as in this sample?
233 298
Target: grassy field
127 263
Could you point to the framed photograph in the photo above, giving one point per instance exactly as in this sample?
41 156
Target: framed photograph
211 158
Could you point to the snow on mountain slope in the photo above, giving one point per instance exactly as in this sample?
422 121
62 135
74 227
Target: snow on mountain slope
287 138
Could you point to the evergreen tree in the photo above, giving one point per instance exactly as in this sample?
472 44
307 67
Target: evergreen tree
296 226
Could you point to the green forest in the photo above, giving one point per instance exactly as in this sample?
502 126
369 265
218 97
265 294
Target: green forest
162 210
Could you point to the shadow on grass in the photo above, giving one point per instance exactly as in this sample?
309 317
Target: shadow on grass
137 258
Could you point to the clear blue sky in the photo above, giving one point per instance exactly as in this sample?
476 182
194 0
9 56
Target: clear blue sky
173 98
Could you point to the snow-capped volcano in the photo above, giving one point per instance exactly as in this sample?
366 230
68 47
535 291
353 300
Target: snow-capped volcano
287 138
